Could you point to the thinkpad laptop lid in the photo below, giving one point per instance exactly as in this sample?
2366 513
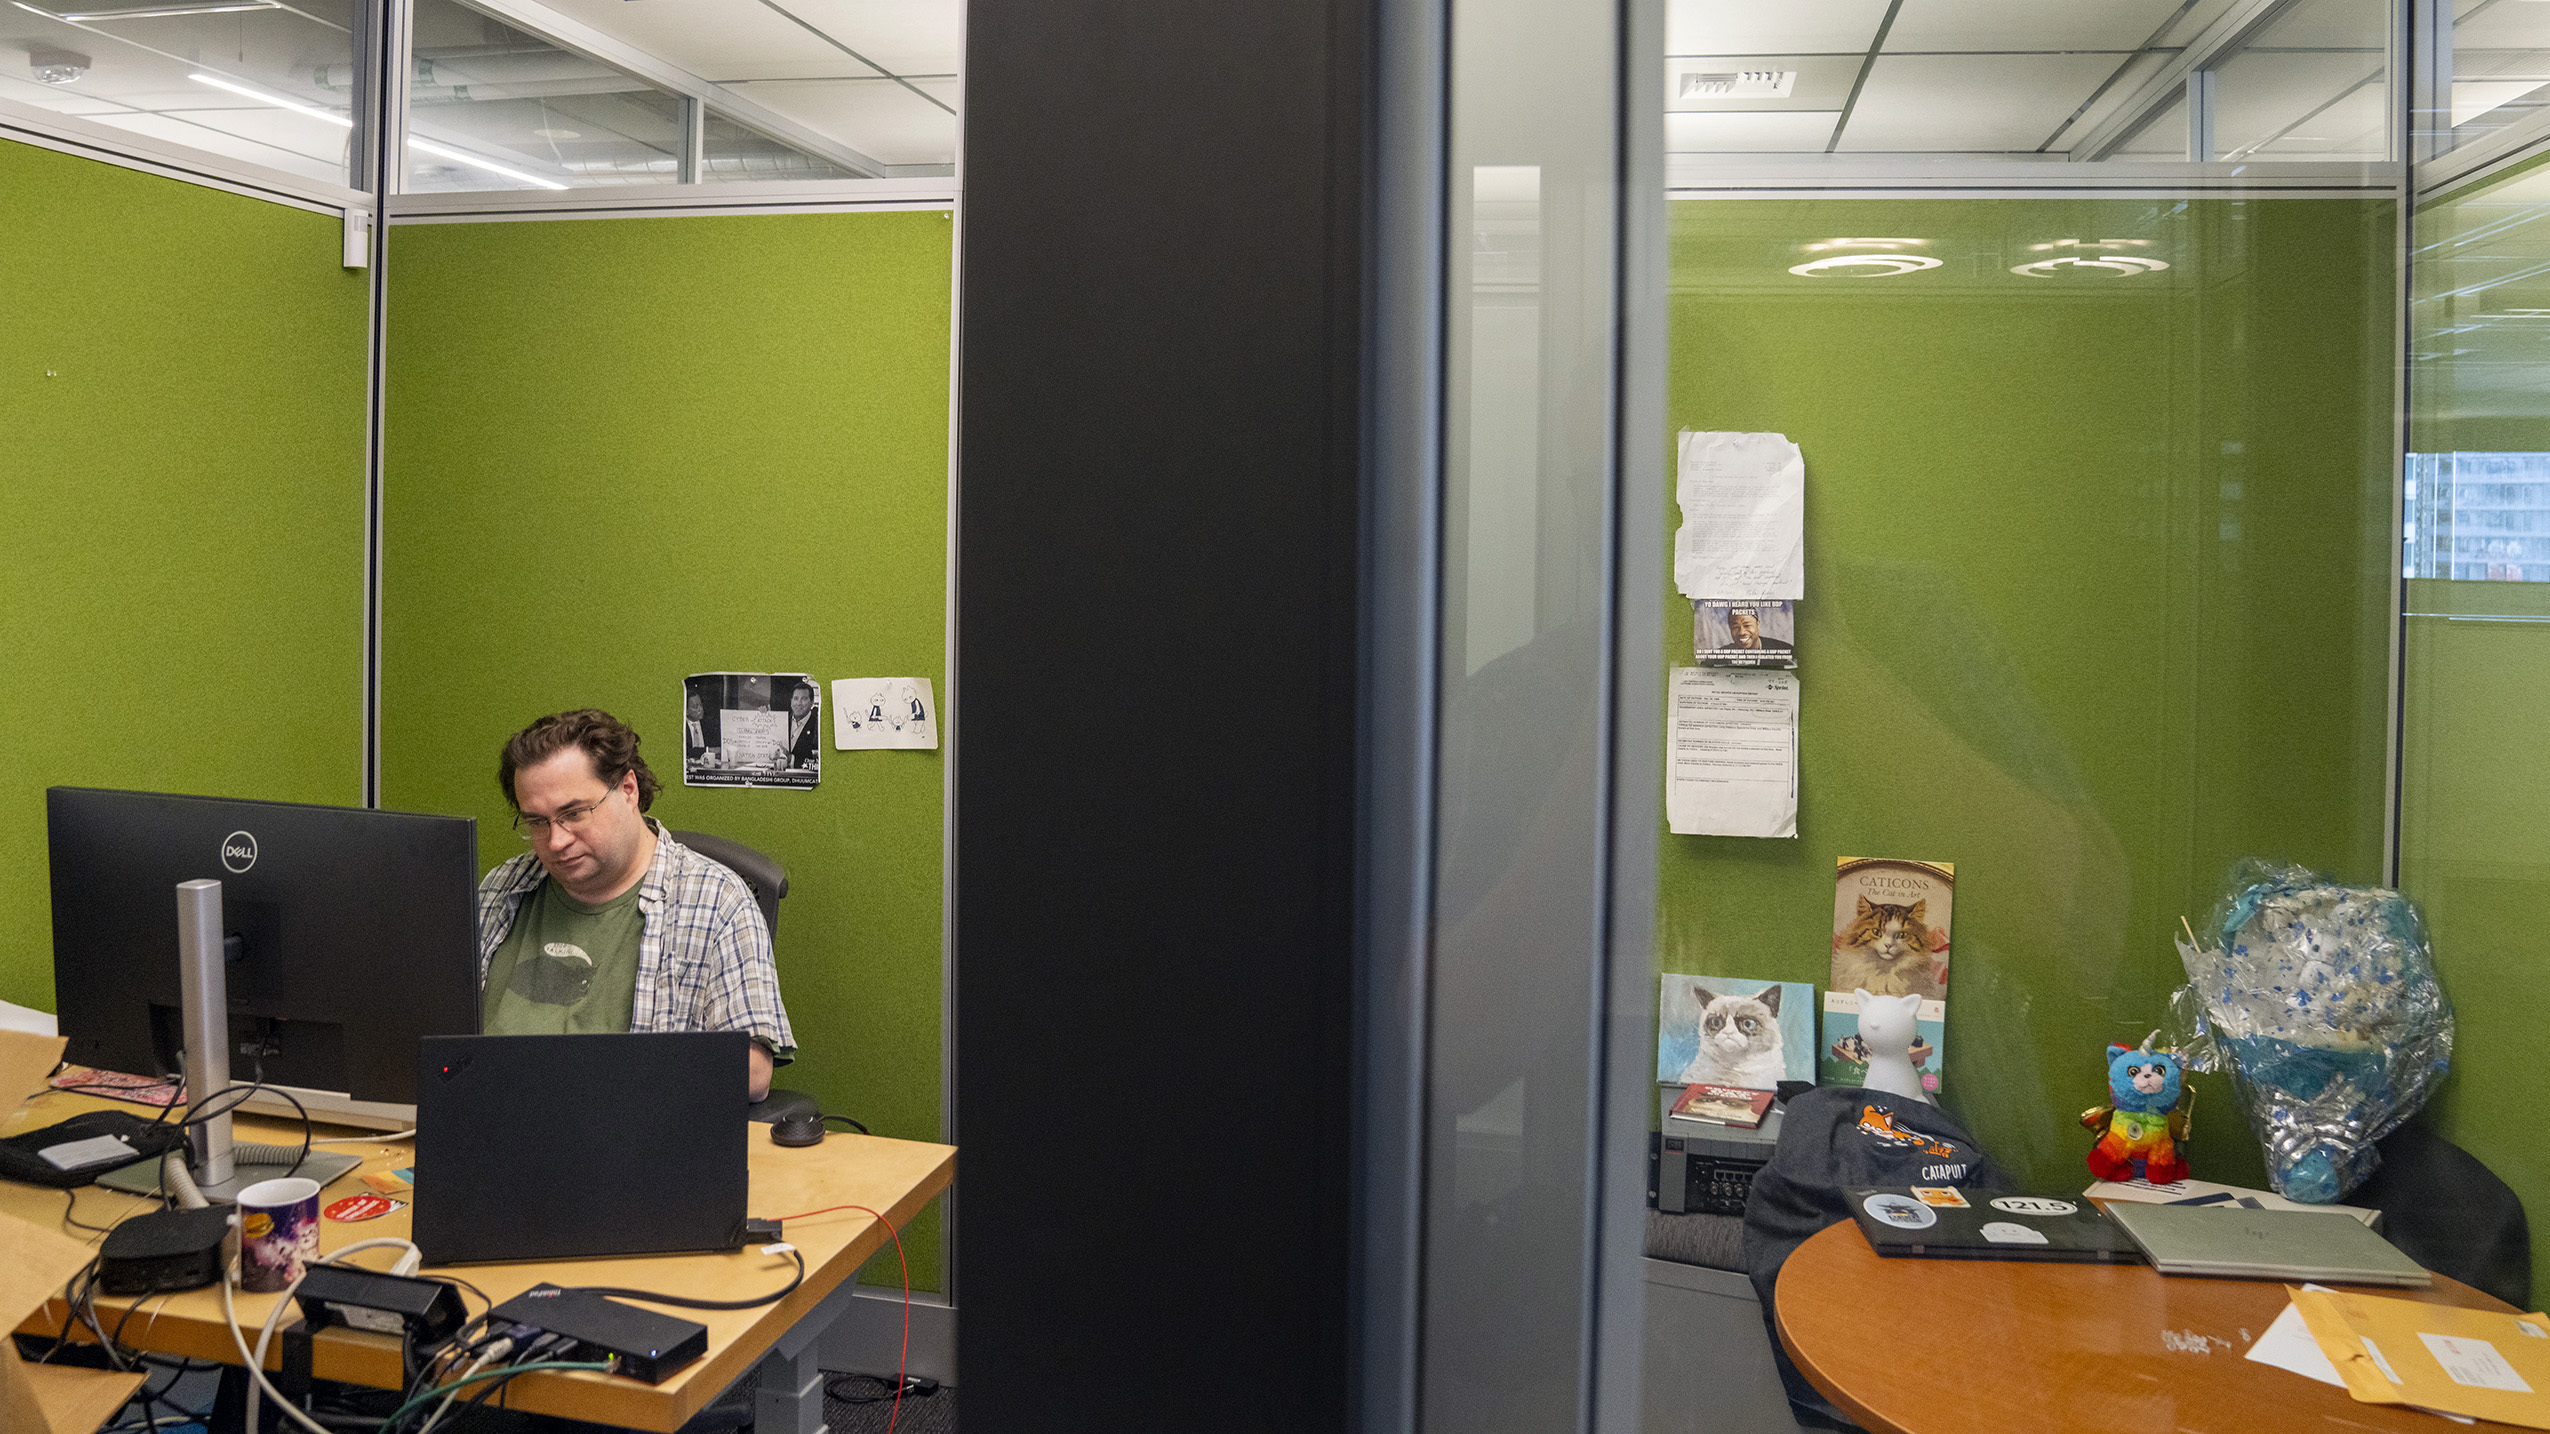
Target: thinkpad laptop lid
2227 1240
565 1147
1943 1223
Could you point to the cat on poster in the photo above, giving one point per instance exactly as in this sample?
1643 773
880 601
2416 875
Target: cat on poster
752 729
1725 1030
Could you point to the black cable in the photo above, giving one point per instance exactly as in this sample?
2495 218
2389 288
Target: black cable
846 1120
71 1213
685 1302
195 1117
914 1387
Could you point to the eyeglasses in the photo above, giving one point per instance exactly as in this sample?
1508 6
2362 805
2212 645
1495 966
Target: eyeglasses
531 828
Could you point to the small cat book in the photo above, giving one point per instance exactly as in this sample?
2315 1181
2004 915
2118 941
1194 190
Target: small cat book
1724 1105
1843 1060
1890 926
1744 632
1727 1030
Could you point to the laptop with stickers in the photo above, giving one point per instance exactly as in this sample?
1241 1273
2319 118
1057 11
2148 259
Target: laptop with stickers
1940 1222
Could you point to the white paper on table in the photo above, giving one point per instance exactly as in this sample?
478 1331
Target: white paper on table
870 713
1743 531
2288 1344
1732 767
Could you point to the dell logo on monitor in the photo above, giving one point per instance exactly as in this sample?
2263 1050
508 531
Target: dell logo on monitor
239 851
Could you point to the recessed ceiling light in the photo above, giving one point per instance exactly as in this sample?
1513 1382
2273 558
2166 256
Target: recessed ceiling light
55 66
1738 84
558 134
1863 266
2123 266
161 12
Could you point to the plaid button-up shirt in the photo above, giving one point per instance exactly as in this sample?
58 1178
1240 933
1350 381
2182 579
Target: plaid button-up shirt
704 959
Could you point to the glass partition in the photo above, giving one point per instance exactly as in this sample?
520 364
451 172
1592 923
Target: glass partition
260 81
2475 535
517 94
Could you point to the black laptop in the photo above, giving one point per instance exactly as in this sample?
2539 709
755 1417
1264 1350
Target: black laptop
566 1147
1946 1223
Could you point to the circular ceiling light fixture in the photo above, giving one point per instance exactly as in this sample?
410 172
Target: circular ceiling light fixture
2123 266
1822 245
1863 266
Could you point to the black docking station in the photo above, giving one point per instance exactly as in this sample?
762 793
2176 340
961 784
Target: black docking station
646 1346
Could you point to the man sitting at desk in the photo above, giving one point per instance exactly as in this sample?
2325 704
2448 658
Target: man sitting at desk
607 923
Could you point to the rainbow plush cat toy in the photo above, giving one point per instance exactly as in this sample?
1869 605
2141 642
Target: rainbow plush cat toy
2145 1122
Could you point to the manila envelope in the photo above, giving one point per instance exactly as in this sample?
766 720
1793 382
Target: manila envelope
2461 1361
36 1262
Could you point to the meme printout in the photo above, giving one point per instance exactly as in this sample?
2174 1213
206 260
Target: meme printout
751 729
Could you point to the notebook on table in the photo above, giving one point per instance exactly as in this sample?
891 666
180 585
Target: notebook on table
1944 1223
567 1147
2231 1242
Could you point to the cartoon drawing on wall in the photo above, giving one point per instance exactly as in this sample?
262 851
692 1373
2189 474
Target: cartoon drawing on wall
751 729
871 713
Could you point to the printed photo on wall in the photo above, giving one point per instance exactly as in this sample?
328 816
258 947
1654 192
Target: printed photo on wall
1843 1059
751 729
884 712
1890 926
1724 1030
1744 632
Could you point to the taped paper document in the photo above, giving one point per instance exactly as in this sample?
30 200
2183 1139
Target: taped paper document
1732 767
1743 529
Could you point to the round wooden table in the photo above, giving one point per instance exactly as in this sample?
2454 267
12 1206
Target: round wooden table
1914 1346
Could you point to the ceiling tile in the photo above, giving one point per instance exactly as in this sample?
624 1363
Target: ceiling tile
2259 95
2506 25
1771 27
1759 132
1969 103
715 39
2026 24
879 118
907 37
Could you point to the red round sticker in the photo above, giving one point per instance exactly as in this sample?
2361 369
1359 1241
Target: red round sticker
362 1207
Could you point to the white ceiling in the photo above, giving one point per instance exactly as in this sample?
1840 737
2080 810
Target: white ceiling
872 79
2019 78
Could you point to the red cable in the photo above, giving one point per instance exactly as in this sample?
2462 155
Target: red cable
903 1360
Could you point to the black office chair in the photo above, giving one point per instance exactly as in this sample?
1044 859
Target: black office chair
2450 1213
769 882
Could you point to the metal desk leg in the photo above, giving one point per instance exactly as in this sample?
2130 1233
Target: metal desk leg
791 1399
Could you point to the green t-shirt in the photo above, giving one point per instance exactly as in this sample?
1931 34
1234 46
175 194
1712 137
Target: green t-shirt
565 968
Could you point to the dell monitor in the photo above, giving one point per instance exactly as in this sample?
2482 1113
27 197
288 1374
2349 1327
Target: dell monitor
348 935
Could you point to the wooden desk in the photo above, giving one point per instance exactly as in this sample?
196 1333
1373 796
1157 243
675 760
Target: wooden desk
897 1177
1910 1346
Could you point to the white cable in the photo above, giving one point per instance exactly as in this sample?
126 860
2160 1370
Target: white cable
257 1380
405 1264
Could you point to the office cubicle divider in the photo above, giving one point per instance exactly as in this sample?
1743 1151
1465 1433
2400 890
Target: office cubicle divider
623 450
181 486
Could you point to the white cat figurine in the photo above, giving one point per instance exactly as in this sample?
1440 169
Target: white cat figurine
1739 1041
1886 1027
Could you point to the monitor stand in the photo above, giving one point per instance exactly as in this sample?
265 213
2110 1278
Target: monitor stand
324 1166
221 1168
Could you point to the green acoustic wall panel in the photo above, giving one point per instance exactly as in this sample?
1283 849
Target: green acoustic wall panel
181 483
2095 604
622 451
